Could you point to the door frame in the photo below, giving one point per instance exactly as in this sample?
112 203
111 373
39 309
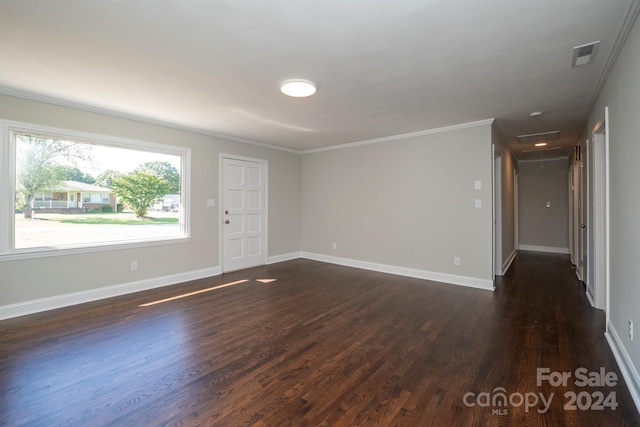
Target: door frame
599 230
516 211
221 186
576 188
585 220
497 211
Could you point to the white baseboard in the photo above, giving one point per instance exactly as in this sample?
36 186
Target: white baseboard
590 298
472 282
284 257
65 300
629 371
550 249
508 262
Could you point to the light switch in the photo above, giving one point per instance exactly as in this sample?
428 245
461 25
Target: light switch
548 204
211 202
478 203
477 184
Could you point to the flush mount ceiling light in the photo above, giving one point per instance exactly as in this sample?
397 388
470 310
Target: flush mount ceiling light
541 144
298 88
536 114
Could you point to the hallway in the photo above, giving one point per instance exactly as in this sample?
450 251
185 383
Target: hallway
547 322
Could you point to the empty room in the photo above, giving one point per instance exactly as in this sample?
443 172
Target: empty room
319 213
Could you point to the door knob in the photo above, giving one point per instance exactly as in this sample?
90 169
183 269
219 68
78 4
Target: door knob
226 221
583 226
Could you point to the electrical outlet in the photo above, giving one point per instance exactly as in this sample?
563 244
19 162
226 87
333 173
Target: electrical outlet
134 265
334 246
631 329
456 260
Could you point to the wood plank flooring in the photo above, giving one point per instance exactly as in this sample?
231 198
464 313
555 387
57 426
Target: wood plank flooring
322 345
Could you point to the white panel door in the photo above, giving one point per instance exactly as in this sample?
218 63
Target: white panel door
244 214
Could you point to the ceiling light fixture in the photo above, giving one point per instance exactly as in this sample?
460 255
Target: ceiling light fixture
541 144
298 88
536 114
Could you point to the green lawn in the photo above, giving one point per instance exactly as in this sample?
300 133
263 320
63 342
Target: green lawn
113 219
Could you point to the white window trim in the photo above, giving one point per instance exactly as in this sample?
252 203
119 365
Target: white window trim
8 129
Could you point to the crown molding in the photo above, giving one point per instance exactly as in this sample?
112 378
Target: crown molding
141 119
402 136
625 29
133 117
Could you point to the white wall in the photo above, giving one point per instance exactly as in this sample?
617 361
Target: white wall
542 228
38 278
622 95
407 203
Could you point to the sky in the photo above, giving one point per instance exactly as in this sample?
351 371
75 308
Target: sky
122 160
104 157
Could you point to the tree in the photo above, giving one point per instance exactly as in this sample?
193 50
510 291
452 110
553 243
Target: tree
38 165
140 190
105 179
164 170
72 173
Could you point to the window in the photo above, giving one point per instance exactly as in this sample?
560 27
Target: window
95 198
40 196
69 190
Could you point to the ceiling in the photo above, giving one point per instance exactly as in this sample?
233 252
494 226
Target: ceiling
382 67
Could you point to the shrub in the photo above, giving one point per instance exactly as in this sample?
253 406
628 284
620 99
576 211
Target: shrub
107 208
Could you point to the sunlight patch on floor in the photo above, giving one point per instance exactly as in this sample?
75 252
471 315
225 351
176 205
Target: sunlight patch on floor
192 293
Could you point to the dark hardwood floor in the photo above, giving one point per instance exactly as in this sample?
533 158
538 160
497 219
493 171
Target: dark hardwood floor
323 345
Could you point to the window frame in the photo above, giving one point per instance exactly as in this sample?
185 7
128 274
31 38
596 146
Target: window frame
8 131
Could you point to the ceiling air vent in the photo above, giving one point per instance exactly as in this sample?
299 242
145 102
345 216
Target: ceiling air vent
540 150
583 55
538 137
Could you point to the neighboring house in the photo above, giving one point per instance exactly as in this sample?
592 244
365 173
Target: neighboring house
169 203
74 197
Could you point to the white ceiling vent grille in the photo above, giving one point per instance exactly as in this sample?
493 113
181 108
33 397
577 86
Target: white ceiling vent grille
538 137
583 55
540 150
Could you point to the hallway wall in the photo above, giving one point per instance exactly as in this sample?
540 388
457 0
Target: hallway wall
621 94
543 228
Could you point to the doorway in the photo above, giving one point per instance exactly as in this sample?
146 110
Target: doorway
243 209
598 263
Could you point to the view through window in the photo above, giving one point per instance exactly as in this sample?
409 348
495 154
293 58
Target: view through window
70 193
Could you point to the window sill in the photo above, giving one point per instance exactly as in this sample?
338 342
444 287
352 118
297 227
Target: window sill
46 252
